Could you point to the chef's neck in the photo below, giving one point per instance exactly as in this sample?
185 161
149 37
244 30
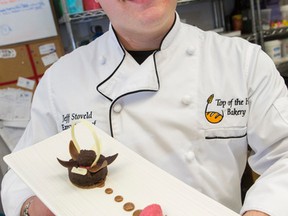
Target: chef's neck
140 43
144 40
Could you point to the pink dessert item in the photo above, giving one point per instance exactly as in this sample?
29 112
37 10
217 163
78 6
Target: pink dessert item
152 210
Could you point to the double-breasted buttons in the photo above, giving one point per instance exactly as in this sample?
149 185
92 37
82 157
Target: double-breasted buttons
102 60
190 50
117 108
190 156
186 99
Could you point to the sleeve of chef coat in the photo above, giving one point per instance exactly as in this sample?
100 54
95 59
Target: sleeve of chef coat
42 125
267 136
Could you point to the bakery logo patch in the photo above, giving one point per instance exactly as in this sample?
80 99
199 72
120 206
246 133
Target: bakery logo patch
217 108
68 118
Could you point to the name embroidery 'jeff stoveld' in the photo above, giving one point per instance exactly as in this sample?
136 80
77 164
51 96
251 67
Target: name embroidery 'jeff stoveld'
217 109
67 118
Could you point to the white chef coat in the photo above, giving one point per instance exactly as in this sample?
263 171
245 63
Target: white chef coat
165 108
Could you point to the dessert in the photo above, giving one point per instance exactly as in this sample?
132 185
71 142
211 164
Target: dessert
87 168
152 210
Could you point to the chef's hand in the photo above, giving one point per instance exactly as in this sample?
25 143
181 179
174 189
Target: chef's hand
36 207
255 213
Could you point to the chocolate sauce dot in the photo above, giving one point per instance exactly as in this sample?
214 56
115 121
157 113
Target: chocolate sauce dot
118 198
108 190
137 212
128 206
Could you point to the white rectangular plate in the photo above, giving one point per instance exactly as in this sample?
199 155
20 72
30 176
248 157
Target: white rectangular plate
130 176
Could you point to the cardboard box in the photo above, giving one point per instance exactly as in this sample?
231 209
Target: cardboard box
29 60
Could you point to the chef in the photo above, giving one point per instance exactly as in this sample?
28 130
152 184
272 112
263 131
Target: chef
187 100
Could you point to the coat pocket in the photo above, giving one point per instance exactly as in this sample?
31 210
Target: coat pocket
226 133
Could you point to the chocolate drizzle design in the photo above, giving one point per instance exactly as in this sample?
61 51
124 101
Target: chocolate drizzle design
128 206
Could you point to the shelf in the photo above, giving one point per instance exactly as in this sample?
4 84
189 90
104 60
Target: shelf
83 17
250 37
275 33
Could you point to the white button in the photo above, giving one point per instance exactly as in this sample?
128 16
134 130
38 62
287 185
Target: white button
187 99
117 108
190 156
190 50
102 60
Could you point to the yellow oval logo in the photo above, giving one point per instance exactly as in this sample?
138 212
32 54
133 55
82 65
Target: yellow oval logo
212 117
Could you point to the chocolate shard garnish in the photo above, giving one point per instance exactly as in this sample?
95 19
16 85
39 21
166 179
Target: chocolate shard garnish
110 159
98 167
70 163
73 150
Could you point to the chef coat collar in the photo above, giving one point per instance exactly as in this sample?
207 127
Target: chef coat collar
114 87
171 34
